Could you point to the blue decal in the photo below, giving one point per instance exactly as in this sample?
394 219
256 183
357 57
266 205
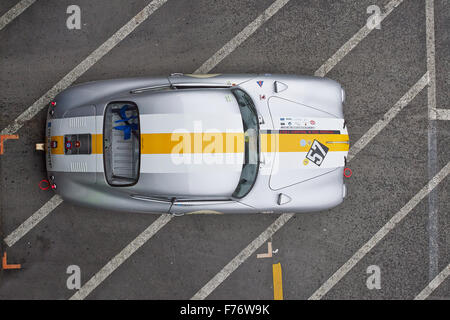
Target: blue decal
127 130
260 83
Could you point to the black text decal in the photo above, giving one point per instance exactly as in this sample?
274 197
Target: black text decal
317 152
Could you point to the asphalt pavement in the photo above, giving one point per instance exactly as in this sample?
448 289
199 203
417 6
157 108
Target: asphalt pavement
38 50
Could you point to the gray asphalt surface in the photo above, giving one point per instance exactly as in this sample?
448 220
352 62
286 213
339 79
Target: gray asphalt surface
37 50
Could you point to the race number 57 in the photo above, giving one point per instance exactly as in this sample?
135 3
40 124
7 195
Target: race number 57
317 152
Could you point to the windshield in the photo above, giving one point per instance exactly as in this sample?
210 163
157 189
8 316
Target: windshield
251 136
121 143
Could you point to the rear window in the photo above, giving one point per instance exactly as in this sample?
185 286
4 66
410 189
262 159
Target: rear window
121 143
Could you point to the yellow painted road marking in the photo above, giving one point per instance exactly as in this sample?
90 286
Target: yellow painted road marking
277 282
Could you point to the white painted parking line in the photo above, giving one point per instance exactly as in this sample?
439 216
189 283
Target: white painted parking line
425 293
14 12
120 258
231 45
369 245
388 116
241 257
433 225
32 221
354 41
431 61
84 66
443 114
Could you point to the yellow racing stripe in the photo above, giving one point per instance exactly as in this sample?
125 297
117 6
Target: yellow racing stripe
220 142
97 143
59 144
282 142
179 143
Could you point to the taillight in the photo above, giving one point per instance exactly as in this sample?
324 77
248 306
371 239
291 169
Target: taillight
52 108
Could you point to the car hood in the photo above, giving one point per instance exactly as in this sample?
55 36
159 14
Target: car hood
305 143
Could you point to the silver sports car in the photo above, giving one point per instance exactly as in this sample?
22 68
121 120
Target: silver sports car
192 143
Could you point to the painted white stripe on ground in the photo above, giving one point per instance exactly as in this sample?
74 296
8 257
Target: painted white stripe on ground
84 66
442 114
120 258
241 257
433 216
425 293
231 45
388 116
369 245
354 41
14 12
431 61
32 221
